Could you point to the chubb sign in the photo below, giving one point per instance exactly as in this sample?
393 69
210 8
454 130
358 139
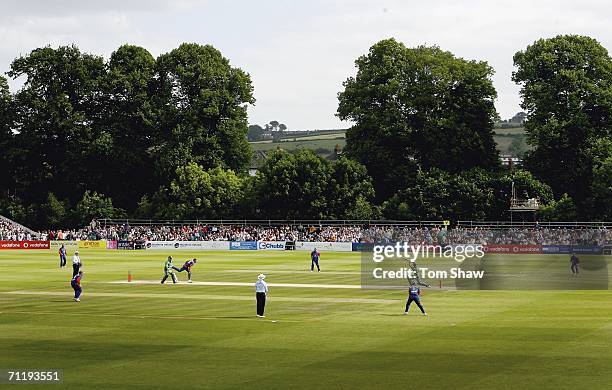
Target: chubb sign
271 245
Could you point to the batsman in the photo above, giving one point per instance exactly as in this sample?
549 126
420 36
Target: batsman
168 271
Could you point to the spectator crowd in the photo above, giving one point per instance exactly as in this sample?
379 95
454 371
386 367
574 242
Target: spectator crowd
431 235
10 232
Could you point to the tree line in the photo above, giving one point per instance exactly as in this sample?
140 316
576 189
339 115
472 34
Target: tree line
166 137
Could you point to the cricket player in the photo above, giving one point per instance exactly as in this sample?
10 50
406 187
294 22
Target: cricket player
62 256
186 267
442 237
314 260
76 286
414 296
574 264
261 291
168 270
76 263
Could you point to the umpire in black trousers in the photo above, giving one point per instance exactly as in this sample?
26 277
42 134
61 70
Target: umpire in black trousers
76 264
261 291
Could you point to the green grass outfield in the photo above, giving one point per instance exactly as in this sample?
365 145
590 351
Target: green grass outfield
147 336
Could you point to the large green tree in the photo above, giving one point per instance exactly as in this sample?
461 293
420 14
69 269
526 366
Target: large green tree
198 193
601 188
293 186
350 191
60 143
203 117
475 194
438 194
6 135
130 117
566 87
95 206
306 186
418 107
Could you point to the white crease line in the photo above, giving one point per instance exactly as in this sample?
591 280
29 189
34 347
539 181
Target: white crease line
203 297
81 314
243 284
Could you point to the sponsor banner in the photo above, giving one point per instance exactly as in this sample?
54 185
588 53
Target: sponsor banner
567 249
24 245
111 244
513 249
162 245
324 246
188 245
362 246
243 245
92 244
125 245
70 245
271 245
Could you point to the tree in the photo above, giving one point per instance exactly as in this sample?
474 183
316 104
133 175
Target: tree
198 193
6 135
525 185
304 185
560 210
601 187
420 107
254 133
293 186
474 194
202 102
350 189
362 210
14 208
566 87
59 142
517 146
274 125
130 118
440 195
95 206
53 213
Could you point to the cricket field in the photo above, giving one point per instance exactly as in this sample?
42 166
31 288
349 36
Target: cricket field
321 331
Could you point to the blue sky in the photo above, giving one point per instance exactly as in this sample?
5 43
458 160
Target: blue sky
298 53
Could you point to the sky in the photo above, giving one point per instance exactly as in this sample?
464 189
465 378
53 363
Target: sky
298 53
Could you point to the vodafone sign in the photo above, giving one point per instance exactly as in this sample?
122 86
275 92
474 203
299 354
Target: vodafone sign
513 249
24 245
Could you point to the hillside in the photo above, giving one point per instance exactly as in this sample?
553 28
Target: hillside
509 141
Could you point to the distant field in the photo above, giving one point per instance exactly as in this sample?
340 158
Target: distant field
335 135
322 141
329 334
503 138
516 130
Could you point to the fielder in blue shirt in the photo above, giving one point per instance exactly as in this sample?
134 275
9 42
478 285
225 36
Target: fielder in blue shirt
415 296
575 264
62 256
314 257
186 267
